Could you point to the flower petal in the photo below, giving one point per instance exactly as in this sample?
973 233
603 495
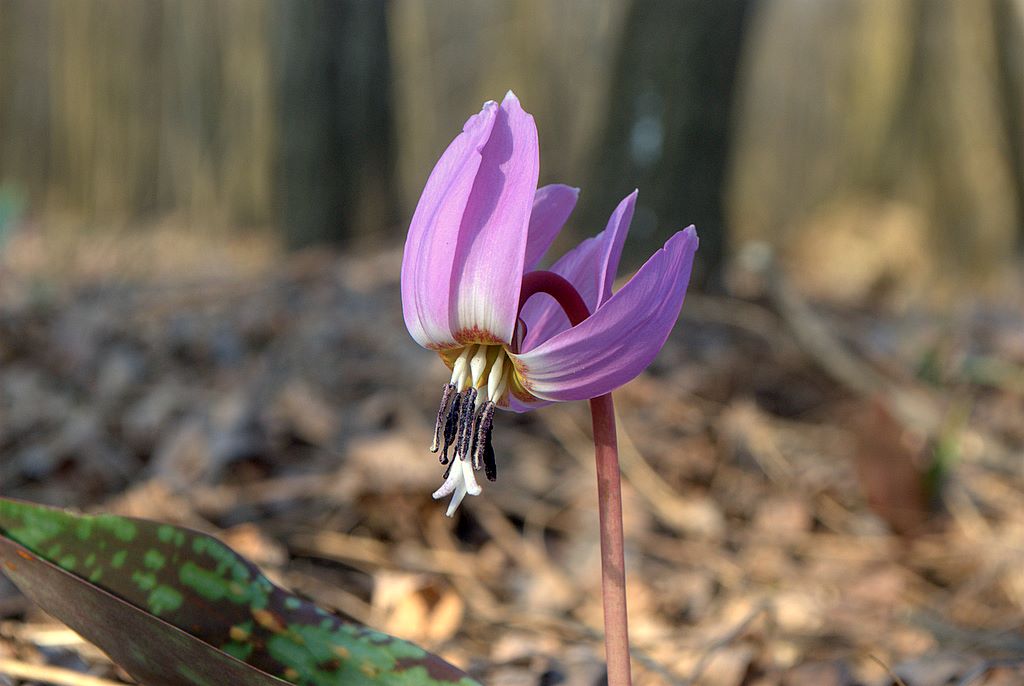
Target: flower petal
552 206
518 405
590 267
433 232
491 246
621 338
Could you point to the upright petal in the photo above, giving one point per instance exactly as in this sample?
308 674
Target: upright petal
491 246
621 338
552 206
590 267
433 232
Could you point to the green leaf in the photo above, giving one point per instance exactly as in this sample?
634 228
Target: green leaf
174 606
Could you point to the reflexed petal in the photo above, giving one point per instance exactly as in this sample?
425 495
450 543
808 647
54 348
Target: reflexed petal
517 405
491 246
552 206
621 338
433 232
590 267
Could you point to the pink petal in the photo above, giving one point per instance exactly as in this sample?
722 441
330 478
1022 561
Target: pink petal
552 206
429 256
590 267
517 405
491 247
621 338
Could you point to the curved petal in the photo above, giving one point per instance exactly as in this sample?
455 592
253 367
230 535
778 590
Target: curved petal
428 259
491 246
590 267
621 338
552 206
519 406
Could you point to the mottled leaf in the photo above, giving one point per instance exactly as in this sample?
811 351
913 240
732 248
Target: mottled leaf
174 606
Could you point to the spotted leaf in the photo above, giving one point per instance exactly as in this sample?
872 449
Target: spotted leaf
176 607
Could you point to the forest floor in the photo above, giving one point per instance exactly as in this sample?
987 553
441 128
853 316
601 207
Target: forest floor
813 496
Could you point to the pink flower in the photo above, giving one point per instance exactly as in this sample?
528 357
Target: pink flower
480 225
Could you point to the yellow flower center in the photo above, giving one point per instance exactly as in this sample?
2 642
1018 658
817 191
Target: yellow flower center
486 368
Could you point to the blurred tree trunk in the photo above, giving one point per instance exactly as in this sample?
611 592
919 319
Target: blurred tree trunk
116 111
24 98
878 142
1009 29
334 152
449 56
668 121
217 119
105 106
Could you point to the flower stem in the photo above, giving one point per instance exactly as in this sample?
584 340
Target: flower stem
613 557
609 489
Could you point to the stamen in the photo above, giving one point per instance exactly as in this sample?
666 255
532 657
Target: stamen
473 440
460 369
490 467
495 377
478 365
500 390
482 439
451 426
465 418
472 487
442 416
465 430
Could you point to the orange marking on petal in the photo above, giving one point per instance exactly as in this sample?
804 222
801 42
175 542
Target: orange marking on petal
475 334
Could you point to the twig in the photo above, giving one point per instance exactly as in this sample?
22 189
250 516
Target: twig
523 551
987 665
471 587
888 670
361 551
662 500
734 633
911 406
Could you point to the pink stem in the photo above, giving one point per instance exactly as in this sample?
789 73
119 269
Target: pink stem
609 489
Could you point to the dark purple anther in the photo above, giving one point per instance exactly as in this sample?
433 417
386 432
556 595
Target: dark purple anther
451 425
466 413
482 437
490 467
442 415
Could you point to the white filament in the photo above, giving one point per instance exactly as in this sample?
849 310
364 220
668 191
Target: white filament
495 379
478 365
460 376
